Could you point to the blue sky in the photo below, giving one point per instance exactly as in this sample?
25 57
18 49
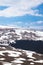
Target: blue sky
22 13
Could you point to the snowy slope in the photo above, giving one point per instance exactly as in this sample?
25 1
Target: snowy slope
13 56
10 34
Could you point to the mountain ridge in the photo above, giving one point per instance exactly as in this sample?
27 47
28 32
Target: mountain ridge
10 34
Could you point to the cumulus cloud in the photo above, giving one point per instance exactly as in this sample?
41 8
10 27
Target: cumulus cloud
19 7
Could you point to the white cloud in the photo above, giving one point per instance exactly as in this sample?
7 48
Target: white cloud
36 23
19 7
36 27
39 22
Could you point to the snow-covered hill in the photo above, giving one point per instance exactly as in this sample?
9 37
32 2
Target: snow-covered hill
10 34
13 56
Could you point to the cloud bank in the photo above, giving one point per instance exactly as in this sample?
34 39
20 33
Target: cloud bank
20 7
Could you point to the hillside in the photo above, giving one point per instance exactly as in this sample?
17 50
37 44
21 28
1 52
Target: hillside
13 56
9 35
